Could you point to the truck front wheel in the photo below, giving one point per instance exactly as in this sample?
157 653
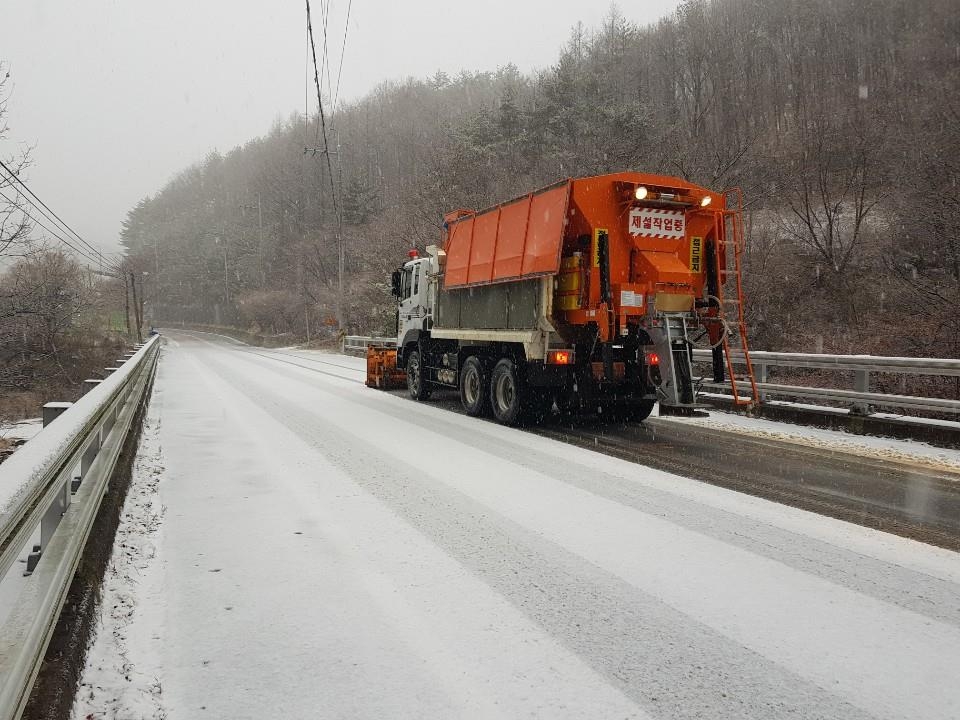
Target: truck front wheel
506 396
416 385
473 387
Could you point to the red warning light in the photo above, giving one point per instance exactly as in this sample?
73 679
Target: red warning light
653 359
413 254
560 357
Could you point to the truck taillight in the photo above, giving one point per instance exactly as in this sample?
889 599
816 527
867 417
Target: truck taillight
653 359
559 357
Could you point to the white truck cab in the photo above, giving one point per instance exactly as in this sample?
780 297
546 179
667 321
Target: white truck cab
415 307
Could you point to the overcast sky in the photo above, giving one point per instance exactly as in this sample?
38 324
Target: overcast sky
119 95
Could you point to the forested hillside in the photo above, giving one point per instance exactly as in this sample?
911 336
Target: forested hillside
840 119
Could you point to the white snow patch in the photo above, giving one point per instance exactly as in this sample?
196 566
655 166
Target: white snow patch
23 430
911 451
122 677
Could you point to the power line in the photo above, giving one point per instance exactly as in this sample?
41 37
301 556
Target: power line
325 11
37 204
306 102
101 261
343 48
85 255
323 120
55 231
333 191
46 207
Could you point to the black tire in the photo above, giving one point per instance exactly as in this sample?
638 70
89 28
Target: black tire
506 393
416 385
641 410
474 387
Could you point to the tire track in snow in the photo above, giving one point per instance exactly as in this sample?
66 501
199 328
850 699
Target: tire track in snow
665 660
920 592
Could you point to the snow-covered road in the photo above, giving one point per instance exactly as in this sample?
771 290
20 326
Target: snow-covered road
328 551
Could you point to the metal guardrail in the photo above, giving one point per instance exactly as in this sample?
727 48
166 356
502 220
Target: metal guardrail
860 399
359 342
54 484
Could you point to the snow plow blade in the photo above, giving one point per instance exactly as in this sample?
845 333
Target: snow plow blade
382 372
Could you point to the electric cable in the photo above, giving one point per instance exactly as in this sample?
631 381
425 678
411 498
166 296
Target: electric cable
46 207
101 260
333 190
343 48
323 121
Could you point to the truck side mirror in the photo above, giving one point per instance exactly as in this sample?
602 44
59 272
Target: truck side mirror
396 283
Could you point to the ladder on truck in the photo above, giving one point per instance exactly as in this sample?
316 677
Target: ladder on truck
731 308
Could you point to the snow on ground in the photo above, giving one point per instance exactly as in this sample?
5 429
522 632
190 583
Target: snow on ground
911 451
328 551
122 679
14 436
23 430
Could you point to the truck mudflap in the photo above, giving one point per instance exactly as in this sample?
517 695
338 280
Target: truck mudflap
382 370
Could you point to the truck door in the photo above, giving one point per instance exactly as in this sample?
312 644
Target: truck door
412 308
406 288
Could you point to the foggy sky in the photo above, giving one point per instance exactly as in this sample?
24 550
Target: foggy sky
119 95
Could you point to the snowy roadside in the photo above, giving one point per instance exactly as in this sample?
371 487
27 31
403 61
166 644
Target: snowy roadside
910 451
23 430
17 434
121 679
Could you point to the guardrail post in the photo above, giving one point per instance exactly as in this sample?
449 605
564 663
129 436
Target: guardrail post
51 518
53 410
109 420
761 376
861 383
90 454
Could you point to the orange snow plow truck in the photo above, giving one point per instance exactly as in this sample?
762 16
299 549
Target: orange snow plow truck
589 294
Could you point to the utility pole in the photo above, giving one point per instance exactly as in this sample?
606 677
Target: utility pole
126 303
143 296
339 210
259 209
340 253
226 275
263 280
136 306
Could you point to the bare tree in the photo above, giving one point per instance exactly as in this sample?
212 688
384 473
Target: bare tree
15 225
833 187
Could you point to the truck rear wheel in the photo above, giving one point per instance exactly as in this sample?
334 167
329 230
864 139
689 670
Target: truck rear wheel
416 385
641 411
506 393
474 389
